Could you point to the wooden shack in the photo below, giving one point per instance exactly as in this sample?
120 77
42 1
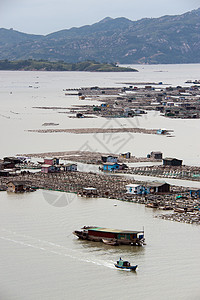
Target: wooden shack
150 188
10 162
126 155
158 187
79 115
111 166
109 158
13 160
4 173
156 154
70 167
16 186
47 168
195 193
89 192
135 189
168 161
51 161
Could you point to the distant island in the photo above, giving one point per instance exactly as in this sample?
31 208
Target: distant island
43 65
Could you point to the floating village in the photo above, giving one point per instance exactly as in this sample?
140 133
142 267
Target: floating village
133 100
59 171
111 175
136 99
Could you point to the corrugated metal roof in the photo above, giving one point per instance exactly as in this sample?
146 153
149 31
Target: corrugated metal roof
156 184
171 158
156 152
102 229
15 182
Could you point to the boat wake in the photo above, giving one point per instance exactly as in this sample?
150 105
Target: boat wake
50 247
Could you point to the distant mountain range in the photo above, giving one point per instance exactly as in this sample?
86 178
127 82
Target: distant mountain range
168 39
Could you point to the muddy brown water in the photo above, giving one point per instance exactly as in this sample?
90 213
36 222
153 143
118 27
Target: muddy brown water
40 258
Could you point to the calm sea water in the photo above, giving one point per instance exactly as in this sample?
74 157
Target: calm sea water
40 258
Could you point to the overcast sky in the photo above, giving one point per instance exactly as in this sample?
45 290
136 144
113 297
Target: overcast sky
46 16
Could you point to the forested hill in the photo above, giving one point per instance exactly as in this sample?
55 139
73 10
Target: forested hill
168 39
42 65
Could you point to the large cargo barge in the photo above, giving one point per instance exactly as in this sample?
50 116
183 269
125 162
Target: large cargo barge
111 236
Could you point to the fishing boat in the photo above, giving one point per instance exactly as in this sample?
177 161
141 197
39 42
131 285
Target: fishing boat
125 265
111 236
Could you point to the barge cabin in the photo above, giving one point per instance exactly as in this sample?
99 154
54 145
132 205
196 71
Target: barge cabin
120 237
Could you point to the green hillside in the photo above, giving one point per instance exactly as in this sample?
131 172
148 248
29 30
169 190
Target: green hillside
41 65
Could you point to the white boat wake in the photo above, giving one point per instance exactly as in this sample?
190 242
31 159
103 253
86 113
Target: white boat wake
50 247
